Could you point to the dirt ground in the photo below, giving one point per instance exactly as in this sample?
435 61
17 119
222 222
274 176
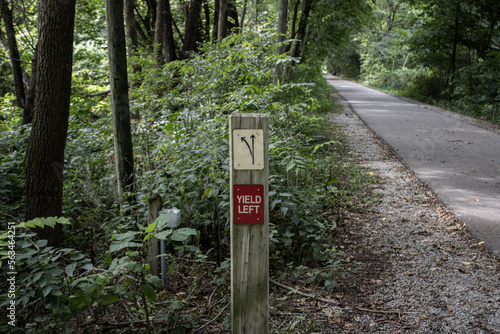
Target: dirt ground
420 271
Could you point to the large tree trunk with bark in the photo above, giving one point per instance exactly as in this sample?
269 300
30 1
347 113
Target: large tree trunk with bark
192 32
232 13
131 29
45 152
169 46
282 25
117 53
29 106
159 31
243 14
298 46
14 58
222 26
215 34
293 33
165 48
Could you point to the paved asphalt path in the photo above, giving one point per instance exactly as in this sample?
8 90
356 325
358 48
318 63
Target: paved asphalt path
459 161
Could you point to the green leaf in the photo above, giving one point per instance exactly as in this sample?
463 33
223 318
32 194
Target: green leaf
290 165
47 290
63 221
41 243
183 234
70 269
109 299
151 227
56 271
129 236
163 219
77 256
50 221
87 266
163 235
117 246
171 268
149 292
284 210
169 127
155 280
273 204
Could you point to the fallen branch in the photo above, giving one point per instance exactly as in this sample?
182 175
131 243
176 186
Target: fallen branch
329 301
104 93
384 312
208 323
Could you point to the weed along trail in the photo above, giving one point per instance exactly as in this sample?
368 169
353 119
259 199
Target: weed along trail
458 158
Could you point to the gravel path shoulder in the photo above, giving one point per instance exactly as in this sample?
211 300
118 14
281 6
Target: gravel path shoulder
422 272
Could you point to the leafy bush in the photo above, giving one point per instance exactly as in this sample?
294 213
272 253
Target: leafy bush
181 144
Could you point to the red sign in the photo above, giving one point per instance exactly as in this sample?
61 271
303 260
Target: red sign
248 204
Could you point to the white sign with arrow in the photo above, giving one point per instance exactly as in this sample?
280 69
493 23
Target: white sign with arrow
248 149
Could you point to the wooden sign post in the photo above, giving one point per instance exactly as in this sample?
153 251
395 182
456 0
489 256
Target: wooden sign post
249 145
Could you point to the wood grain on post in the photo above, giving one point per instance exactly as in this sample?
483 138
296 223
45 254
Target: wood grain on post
154 207
250 242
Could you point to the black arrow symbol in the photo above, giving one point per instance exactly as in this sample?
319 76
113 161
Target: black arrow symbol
252 150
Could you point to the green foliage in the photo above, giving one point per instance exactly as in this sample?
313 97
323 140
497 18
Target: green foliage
43 278
181 143
64 281
13 141
441 52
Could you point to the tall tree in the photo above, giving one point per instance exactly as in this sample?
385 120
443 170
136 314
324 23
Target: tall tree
44 161
169 45
130 26
117 53
232 14
191 30
282 25
222 24
244 13
159 31
215 33
7 16
299 45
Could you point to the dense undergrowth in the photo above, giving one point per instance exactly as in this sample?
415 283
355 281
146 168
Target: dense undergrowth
181 142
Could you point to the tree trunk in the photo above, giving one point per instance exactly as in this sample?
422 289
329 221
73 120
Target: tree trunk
232 13
281 30
301 31
130 26
169 47
243 14
159 31
294 23
44 161
117 53
206 10
29 106
215 35
282 25
191 34
14 57
453 58
223 12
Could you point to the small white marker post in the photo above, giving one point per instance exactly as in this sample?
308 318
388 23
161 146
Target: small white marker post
249 172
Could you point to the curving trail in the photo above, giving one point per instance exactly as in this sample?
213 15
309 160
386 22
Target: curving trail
457 159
